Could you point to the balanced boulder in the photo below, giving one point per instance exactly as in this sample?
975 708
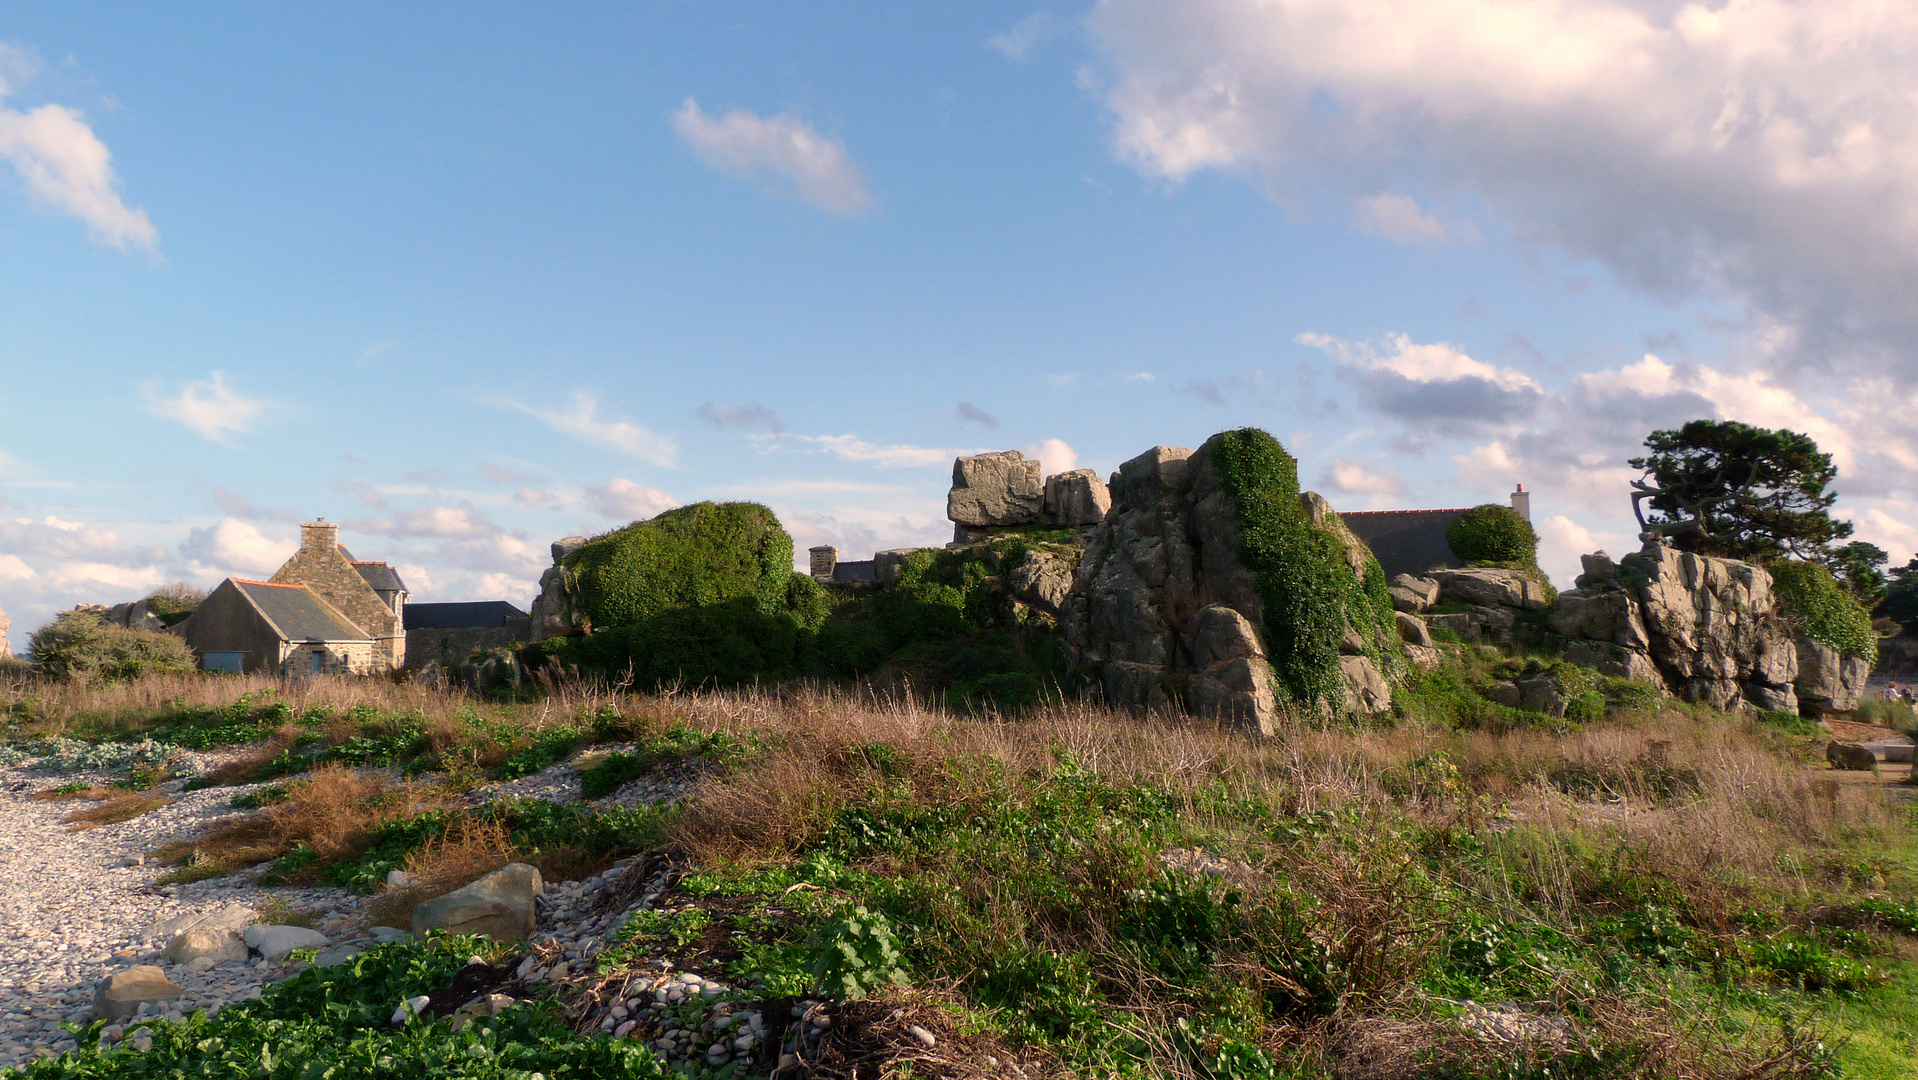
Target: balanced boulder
499 905
1076 499
995 490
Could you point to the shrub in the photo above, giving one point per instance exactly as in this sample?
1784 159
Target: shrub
79 645
1310 593
692 556
173 602
1825 612
1493 534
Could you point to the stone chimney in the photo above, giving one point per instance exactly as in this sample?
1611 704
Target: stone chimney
825 559
1522 502
319 536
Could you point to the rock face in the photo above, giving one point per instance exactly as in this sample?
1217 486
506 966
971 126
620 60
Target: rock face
1828 682
552 613
1165 610
1708 630
499 904
121 994
1491 587
993 490
1076 499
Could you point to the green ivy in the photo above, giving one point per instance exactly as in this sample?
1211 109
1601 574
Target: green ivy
692 556
1827 612
1309 592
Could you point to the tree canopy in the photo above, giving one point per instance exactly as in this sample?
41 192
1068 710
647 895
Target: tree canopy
1720 487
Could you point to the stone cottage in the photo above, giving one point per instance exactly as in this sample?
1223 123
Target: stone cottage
323 610
249 627
1413 541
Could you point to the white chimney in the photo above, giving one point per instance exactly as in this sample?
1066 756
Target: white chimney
1522 502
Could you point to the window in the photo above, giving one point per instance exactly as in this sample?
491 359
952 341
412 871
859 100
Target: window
318 658
230 663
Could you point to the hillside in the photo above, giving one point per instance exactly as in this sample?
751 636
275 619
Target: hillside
864 887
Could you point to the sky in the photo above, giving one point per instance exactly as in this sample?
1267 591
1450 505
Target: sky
470 278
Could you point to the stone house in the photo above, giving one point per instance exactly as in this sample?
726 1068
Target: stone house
1413 541
322 611
253 627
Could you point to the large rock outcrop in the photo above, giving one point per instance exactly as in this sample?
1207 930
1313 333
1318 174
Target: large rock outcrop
553 614
1708 630
1076 499
1167 612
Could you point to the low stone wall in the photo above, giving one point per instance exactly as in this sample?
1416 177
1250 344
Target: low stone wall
448 646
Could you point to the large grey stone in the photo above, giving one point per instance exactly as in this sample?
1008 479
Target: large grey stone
1239 691
1492 587
276 942
553 613
1366 690
1076 499
1042 579
1828 682
214 942
1543 695
1600 616
235 917
1412 629
991 490
1221 635
1422 590
1599 570
121 994
499 905
1850 757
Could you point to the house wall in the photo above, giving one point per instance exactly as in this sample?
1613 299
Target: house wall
226 622
450 645
319 566
336 658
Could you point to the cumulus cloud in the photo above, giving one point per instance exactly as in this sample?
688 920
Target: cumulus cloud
583 422
752 418
973 414
1762 150
63 165
1431 384
1054 456
1017 40
231 547
1356 478
1399 219
626 501
853 448
785 154
213 410
440 522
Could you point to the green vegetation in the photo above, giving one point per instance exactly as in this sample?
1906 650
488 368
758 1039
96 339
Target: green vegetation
1311 595
1754 493
1493 535
1827 612
173 602
689 557
80 645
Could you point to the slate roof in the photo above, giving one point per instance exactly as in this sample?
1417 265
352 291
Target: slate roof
462 616
380 576
297 613
852 573
1406 541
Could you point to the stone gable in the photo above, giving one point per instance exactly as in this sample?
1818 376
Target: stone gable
322 567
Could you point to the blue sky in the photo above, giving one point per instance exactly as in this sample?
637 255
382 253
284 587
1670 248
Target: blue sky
470 278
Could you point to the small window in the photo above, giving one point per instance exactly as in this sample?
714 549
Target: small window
318 659
228 663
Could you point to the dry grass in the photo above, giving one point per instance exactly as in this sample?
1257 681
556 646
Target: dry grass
114 808
467 852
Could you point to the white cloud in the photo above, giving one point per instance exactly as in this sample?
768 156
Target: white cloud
1054 456
229 546
1018 39
1762 150
1561 541
1431 385
782 151
1398 218
583 422
853 448
442 522
624 500
1139 377
64 165
1356 478
212 409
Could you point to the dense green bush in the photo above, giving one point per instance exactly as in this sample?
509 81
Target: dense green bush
1309 592
173 602
692 556
1493 534
1827 612
79 645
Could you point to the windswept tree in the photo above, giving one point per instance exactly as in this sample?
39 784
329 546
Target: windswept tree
1719 487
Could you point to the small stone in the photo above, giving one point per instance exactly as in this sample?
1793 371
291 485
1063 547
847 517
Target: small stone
924 1037
410 1008
624 1029
744 1042
128 992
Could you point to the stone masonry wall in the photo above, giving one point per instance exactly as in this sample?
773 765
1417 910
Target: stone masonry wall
319 566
